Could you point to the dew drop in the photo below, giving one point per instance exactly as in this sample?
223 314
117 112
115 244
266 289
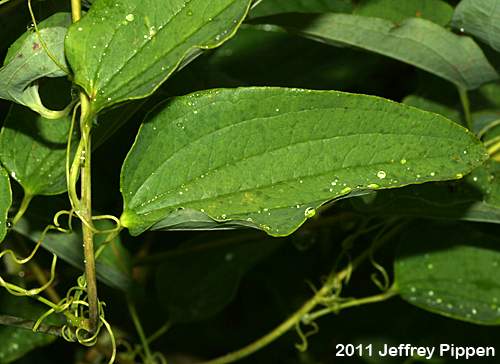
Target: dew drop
381 174
190 13
430 293
433 174
346 190
309 212
373 186
130 17
403 161
459 175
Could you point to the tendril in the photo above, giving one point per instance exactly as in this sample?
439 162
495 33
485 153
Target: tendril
304 342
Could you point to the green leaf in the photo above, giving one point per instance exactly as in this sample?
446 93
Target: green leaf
480 18
474 198
437 11
451 270
268 157
418 42
17 342
124 49
27 62
5 201
199 280
33 150
271 7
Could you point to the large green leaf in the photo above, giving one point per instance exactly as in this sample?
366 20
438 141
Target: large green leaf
268 157
271 7
451 270
27 61
124 49
480 18
438 11
17 342
199 280
33 150
418 42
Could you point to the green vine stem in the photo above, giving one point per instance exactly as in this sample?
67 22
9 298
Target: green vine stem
302 315
22 208
140 331
85 212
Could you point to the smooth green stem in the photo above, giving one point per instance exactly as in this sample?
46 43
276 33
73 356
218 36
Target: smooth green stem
464 99
85 212
353 303
487 128
76 10
22 208
140 330
334 279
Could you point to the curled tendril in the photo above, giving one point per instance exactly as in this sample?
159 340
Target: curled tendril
304 343
20 291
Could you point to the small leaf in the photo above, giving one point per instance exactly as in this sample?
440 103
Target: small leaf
418 42
451 270
27 62
271 7
33 150
199 280
268 157
124 49
437 11
17 342
480 18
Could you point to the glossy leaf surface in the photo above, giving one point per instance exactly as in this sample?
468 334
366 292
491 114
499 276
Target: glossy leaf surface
124 49
33 150
438 11
418 42
271 7
268 157
427 275
480 18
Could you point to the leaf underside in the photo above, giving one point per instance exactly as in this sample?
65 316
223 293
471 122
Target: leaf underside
27 61
480 18
415 41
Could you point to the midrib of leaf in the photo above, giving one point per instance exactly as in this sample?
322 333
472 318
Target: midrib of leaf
362 45
274 184
229 126
145 69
